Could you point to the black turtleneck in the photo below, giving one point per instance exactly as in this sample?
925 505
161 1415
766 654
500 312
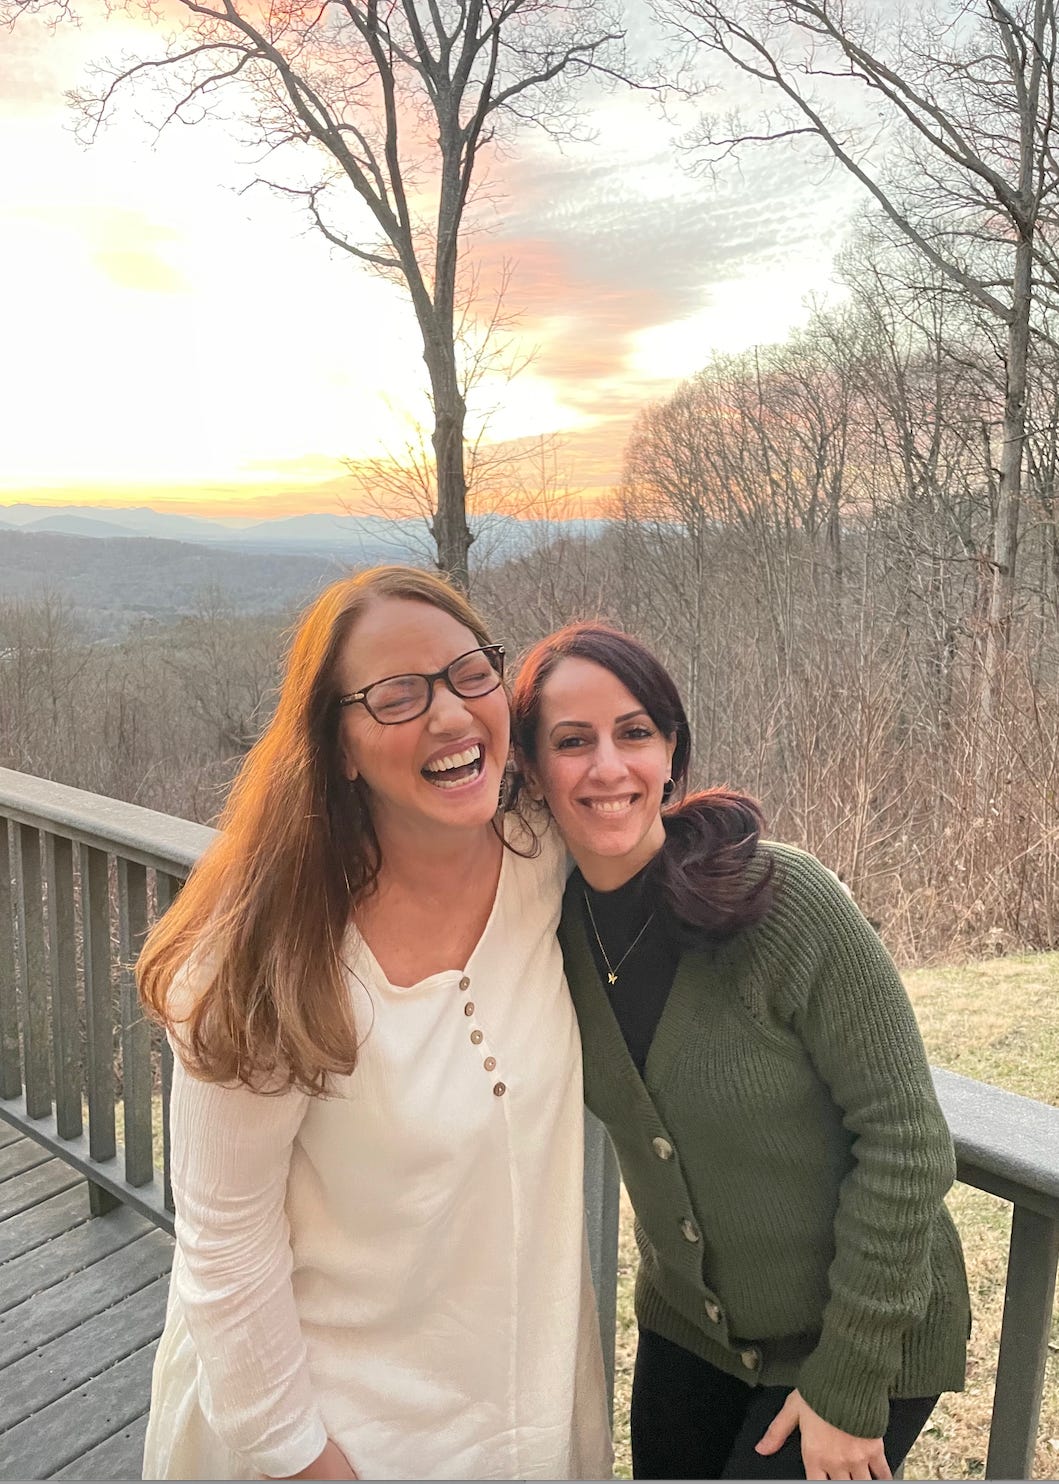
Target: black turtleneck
645 978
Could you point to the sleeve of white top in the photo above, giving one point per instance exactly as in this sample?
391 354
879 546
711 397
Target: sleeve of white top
231 1154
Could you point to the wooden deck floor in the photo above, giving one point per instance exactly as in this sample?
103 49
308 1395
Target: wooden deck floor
82 1301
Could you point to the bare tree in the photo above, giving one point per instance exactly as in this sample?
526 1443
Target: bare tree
967 92
927 395
384 113
226 666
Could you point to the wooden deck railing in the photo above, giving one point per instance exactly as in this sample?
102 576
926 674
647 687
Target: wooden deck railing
85 877
86 874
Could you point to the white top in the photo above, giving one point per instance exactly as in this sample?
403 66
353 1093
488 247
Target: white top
401 1266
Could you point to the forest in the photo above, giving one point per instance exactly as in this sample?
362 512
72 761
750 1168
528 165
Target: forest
804 532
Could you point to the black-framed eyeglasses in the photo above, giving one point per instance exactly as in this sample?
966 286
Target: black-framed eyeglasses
399 698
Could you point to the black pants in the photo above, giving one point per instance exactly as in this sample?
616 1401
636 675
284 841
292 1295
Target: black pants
692 1421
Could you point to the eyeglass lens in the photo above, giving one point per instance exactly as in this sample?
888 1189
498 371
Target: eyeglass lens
404 696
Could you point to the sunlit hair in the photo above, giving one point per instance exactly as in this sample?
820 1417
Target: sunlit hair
245 966
708 873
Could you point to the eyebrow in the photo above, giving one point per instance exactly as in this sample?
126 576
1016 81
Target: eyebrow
585 726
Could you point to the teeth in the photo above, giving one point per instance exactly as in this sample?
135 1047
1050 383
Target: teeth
454 760
609 806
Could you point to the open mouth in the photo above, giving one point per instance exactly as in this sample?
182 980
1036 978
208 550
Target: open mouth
610 806
456 767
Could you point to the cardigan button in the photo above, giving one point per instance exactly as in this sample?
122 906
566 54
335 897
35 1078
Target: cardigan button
713 1311
465 983
689 1230
663 1148
751 1359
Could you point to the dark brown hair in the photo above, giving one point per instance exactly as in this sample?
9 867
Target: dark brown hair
262 917
701 873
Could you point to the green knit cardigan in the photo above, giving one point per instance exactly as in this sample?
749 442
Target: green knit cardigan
786 1157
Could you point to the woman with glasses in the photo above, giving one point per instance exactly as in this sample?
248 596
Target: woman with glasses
801 1295
376 1110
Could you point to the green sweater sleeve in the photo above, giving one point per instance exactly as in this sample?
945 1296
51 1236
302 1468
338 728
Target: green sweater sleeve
858 1027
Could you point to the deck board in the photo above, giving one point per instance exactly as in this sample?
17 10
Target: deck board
67 1253
28 1189
118 1457
64 1305
77 1357
84 1418
49 1218
83 1304
20 1155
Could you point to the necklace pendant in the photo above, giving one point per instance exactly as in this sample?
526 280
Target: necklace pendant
612 971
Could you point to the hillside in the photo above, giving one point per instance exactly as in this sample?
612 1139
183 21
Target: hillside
111 585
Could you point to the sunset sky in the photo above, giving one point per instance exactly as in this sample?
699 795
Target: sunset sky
167 339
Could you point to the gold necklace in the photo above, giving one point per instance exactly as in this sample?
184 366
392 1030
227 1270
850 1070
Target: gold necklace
612 969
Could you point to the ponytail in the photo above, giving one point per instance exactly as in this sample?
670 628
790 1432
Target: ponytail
709 875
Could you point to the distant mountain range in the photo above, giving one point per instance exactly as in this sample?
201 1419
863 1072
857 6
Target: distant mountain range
355 538
120 568
110 587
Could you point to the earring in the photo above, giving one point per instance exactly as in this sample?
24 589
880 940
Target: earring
667 788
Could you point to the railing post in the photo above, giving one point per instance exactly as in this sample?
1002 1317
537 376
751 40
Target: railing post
99 1019
36 1050
166 888
10 1061
135 1030
62 956
1032 1259
602 1188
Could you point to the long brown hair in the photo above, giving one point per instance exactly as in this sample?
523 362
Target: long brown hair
258 928
701 873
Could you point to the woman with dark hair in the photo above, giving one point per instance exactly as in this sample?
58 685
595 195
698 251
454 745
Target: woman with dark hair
801 1294
376 1107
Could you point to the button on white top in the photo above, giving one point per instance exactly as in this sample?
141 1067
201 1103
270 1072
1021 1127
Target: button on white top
465 983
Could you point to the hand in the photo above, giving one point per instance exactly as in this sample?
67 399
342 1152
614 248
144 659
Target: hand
332 1463
827 1452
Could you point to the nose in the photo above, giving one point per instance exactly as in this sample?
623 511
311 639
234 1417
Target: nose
607 764
448 712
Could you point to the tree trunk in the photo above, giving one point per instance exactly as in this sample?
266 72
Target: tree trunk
452 535
1006 531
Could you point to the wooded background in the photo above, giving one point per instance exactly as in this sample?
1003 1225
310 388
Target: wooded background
804 533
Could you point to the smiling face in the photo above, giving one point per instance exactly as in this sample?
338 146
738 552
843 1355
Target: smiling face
442 770
601 765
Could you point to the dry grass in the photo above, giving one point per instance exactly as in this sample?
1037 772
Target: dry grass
996 1021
